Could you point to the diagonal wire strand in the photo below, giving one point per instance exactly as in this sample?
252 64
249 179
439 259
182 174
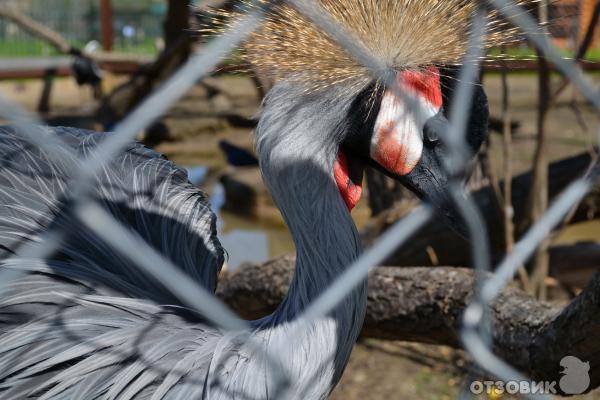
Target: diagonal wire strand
358 271
176 281
197 66
519 17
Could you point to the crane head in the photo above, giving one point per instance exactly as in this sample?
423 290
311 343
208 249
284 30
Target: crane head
403 137
421 41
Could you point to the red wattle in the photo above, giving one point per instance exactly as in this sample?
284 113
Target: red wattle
350 190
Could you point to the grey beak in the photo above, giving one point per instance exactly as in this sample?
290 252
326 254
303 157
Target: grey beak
429 180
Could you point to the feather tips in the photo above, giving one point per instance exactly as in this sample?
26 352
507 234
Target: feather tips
86 323
403 34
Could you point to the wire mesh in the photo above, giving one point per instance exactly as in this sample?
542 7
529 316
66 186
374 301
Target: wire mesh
476 329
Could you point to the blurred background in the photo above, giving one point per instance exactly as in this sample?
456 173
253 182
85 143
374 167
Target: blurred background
136 26
88 63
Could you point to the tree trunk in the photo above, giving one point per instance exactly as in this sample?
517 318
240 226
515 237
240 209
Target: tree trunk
426 304
177 49
177 22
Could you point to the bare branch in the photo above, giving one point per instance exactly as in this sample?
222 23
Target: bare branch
37 29
425 305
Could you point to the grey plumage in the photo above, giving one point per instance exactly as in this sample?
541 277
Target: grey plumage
87 324
86 292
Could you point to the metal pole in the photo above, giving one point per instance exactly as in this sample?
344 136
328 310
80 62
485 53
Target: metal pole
106 23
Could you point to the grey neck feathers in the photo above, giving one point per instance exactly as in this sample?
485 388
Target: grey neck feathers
298 138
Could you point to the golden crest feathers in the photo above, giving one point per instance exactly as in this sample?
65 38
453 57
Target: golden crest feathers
404 34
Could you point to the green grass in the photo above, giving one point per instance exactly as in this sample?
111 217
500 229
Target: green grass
527 53
25 48
146 47
593 54
33 48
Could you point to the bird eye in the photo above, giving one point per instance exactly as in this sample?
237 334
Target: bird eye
433 128
430 136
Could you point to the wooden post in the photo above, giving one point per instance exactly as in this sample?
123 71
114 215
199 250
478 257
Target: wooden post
106 22
177 21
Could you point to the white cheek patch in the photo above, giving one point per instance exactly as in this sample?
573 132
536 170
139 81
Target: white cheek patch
397 142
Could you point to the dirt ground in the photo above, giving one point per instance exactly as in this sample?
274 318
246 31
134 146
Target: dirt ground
377 370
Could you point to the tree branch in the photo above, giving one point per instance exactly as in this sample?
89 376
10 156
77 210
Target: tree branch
425 305
37 29
127 96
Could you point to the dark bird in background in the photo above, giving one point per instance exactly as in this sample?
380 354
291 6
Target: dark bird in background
86 323
237 156
86 71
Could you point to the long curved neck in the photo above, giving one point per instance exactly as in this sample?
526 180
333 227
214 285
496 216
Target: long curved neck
297 142
325 236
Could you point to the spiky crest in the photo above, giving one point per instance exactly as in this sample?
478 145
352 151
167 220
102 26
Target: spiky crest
404 34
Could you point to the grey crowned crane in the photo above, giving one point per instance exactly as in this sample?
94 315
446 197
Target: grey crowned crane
85 323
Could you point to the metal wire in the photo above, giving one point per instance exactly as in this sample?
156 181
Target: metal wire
176 281
475 332
387 243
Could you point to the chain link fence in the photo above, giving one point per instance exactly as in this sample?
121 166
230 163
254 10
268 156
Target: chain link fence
476 322
136 26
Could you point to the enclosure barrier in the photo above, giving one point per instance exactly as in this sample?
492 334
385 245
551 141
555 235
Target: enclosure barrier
476 322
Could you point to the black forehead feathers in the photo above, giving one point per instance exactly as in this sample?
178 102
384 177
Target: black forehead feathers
361 119
477 125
